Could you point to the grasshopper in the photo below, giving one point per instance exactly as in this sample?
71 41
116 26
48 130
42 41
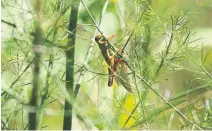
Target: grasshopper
116 63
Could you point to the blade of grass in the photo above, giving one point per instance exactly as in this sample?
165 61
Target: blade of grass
37 48
70 53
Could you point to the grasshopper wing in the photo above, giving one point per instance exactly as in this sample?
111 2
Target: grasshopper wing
122 77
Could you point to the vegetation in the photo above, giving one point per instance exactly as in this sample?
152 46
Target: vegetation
54 75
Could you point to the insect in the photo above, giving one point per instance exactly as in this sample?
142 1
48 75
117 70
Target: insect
116 63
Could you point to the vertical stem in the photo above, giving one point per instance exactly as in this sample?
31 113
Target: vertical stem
67 123
77 87
37 48
145 46
45 95
147 38
147 52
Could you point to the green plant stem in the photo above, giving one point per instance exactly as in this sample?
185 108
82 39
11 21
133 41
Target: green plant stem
8 23
146 57
67 120
76 90
45 95
34 97
17 79
37 48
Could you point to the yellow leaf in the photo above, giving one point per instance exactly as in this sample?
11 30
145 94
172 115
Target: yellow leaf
129 105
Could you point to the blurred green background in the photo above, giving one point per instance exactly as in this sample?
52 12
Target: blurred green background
186 81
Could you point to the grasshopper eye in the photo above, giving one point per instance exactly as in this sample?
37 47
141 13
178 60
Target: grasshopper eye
97 38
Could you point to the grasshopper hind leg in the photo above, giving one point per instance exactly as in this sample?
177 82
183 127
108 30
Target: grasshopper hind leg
111 77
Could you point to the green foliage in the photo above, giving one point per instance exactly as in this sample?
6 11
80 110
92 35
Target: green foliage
170 59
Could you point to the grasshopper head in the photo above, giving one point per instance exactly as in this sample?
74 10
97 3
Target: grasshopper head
98 38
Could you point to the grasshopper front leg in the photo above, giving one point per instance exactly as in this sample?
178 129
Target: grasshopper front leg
113 62
106 52
108 55
110 68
